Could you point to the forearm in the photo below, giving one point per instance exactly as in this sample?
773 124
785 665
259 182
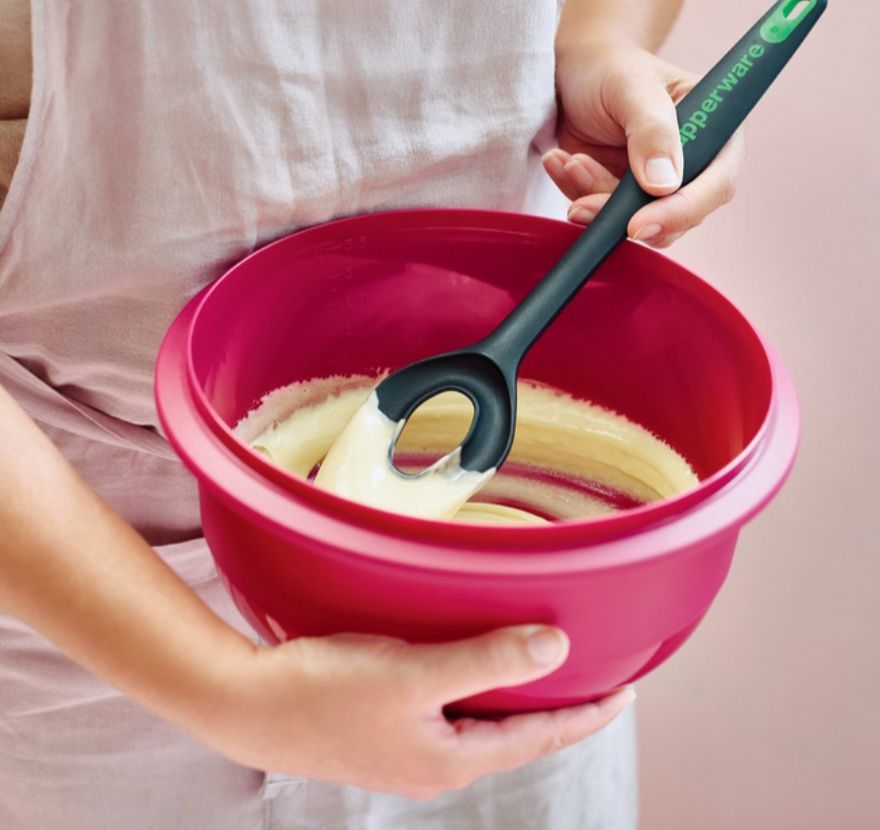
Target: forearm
76 572
15 58
643 22
11 138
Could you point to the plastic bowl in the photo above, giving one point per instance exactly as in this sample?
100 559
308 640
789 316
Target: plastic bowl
645 337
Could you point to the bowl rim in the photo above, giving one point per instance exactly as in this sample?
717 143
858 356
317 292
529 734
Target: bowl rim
226 446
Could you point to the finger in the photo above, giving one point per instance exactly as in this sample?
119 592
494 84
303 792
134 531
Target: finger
504 657
554 162
685 209
589 176
642 105
611 157
584 210
578 174
667 240
492 746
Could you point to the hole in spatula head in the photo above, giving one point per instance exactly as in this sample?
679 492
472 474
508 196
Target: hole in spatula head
434 430
490 388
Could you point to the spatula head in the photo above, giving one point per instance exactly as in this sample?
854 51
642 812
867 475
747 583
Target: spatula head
491 390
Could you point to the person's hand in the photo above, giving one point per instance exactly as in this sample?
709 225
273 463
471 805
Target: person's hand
353 709
617 108
368 711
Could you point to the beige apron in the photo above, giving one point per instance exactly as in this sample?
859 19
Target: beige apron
166 140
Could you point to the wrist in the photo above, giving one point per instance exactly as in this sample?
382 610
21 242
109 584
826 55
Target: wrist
591 49
196 690
632 22
582 41
246 701
581 65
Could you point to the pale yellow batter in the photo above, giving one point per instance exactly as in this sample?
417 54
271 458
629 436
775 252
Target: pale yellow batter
568 440
357 467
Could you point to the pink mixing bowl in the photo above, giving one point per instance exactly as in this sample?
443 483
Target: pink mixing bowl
645 337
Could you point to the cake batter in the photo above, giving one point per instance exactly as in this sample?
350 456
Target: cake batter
570 458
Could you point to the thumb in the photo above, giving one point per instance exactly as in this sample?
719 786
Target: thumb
644 109
504 657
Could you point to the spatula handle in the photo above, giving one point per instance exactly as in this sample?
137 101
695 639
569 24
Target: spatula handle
708 115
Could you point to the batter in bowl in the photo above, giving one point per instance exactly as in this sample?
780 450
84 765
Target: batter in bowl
570 458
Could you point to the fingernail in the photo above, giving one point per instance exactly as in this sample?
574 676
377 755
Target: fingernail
546 646
620 700
628 696
660 172
580 175
647 232
552 160
581 215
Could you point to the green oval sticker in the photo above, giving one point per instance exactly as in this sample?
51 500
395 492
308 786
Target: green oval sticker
782 22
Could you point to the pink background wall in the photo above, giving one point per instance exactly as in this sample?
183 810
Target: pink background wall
768 718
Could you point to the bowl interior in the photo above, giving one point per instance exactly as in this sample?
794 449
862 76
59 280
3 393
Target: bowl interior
645 337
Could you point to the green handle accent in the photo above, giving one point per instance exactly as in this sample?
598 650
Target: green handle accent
782 23
711 112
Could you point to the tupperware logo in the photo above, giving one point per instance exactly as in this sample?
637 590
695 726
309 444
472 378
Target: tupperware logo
689 129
